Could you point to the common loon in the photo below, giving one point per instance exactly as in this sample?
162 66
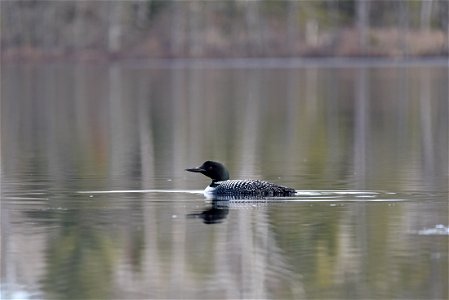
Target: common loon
222 186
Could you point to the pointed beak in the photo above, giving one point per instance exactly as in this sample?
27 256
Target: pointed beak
196 170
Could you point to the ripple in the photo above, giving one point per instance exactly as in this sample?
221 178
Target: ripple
439 229
301 195
140 191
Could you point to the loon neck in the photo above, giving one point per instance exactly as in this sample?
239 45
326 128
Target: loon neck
215 183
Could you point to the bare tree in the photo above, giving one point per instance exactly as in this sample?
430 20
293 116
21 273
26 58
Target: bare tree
115 26
292 26
363 23
426 13
195 28
404 26
177 34
253 24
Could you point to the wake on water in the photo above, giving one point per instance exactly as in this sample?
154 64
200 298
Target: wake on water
301 195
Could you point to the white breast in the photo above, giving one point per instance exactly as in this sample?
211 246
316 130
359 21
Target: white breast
209 192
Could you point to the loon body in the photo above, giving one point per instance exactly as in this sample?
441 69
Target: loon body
223 187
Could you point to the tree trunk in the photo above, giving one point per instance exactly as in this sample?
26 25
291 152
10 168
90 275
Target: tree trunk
426 13
363 23
115 26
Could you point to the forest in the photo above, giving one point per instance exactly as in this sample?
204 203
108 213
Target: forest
218 29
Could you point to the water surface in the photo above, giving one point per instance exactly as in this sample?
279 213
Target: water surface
96 202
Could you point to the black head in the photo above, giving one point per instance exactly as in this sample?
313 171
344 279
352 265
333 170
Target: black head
212 169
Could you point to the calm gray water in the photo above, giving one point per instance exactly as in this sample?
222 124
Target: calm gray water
96 203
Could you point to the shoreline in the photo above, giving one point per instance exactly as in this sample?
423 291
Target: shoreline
250 62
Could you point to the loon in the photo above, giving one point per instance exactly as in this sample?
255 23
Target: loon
221 186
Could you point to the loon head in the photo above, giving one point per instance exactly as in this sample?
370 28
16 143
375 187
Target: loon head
213 170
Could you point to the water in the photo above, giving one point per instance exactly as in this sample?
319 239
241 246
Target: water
96 202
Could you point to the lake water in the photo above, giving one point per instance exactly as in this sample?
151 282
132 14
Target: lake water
96 203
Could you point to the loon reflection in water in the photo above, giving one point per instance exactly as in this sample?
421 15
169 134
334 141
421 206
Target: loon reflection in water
215 214
222 187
